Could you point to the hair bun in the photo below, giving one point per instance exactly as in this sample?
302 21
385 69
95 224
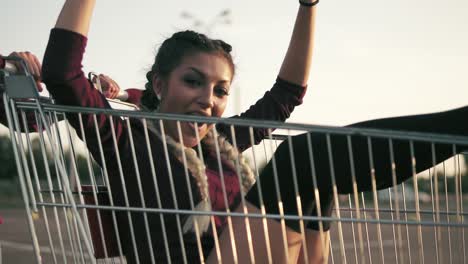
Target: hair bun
190 36
226 47
199 38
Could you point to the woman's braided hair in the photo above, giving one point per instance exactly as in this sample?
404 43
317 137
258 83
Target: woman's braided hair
171 53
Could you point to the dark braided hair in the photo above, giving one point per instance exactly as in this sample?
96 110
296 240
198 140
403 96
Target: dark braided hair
172 51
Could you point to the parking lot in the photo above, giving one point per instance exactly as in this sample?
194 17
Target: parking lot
16 246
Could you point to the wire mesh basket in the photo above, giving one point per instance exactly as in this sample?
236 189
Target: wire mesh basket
70 192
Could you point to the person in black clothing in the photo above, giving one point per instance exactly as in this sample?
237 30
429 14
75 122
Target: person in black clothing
71 31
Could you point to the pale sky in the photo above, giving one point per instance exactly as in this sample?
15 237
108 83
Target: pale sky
373 58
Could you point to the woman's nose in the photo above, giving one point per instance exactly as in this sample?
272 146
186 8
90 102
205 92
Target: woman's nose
206 99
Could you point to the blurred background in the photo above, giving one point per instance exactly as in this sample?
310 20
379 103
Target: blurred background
373 59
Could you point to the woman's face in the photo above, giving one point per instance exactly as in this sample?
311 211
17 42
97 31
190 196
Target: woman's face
198 86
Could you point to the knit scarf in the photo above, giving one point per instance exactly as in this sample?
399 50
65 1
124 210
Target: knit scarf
228 154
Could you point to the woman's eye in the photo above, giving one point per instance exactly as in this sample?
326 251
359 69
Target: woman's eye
193 82
221 92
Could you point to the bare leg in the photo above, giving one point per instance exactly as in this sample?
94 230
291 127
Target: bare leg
317 250
260 247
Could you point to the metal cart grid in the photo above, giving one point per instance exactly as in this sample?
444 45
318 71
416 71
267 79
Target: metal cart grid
403 224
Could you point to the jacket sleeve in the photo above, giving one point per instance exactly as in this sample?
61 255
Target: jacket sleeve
134 96
62 73
276 104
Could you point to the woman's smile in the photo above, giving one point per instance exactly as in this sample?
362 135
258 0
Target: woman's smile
199 86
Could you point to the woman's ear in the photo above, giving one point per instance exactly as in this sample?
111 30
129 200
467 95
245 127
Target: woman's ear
158 85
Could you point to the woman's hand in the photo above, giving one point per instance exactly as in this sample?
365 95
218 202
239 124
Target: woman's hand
33 64
109 87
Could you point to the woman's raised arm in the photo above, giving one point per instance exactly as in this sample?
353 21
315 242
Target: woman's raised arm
62 73
76 16
297 62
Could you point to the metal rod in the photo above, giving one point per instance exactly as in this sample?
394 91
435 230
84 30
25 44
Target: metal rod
278 195
156 189
38 185
260 195
374 193
189 188
171 183
140 188
336 199
24 191
242 194
122 179
298 198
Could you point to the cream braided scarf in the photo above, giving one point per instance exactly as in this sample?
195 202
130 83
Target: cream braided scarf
228 154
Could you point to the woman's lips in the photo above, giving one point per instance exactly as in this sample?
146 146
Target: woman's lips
199 124
192 128
195 126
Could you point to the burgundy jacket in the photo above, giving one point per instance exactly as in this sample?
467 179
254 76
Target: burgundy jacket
65 80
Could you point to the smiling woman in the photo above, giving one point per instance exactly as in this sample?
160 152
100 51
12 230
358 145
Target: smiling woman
191 75
198 85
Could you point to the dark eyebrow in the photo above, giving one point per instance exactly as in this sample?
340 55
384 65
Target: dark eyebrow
197 71
203 75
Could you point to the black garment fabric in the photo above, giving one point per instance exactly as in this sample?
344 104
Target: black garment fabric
375 152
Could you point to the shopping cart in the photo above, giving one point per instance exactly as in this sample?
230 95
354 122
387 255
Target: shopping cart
422 220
